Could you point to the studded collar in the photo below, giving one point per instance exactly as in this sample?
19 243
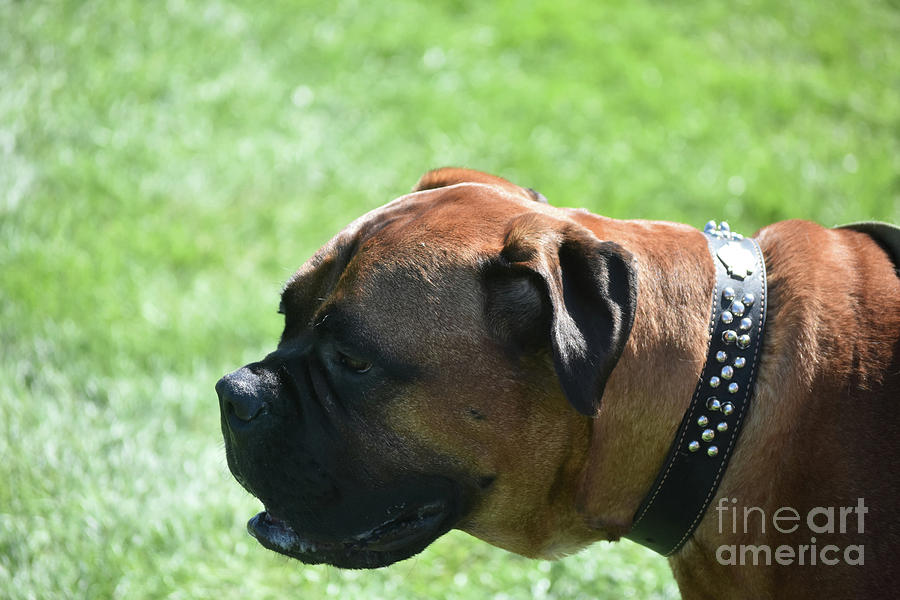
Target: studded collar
699 454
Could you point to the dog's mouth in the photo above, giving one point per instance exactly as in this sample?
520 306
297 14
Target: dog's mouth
407 531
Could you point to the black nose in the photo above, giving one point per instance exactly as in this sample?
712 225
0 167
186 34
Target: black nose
242 397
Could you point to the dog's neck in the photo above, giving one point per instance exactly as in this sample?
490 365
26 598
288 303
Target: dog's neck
816 387
652 385
710 428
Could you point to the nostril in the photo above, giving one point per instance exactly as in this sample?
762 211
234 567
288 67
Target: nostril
240 399
244 410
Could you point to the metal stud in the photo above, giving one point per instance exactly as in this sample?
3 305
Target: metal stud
733 388
746 324
713 404
710 227
708 435
728 294
727 372
724 227
729 336
702 421
727 317
727 408
694 446
714 382
723 426
712 451
743 341
740 362
721 356
738 308
748 298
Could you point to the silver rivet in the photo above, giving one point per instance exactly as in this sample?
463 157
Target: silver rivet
723 426
712 403
732 388
727 372
746 324
721 356
728 294
743 341
714 381
727 317
740 362
724 227
694 446
710 227
708 435
712 451
738 308
748 298
702 421
729 336
727 408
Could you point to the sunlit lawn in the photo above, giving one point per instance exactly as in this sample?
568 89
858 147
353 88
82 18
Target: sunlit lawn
165 166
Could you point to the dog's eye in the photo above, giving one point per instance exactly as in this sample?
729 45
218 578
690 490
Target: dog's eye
360 366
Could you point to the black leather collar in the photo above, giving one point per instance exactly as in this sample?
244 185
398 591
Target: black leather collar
703 444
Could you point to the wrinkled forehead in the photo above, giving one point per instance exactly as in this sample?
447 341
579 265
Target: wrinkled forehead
417 235
458 224
401 263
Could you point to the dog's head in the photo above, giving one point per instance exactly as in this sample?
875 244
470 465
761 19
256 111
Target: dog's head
440 361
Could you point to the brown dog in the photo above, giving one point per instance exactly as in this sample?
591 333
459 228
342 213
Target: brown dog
434 350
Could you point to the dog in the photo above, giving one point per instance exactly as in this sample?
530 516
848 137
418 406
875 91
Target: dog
469 356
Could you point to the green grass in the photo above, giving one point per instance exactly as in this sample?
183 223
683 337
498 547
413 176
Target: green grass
165 166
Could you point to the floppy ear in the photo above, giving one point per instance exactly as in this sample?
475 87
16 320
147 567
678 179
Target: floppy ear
448 176
556 284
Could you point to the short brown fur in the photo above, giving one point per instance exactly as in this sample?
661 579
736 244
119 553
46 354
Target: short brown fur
822 431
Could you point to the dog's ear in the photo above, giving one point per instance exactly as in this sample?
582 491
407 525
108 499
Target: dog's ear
556 285
448 176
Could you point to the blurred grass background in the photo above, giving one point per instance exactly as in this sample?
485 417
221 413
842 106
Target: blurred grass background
165 166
